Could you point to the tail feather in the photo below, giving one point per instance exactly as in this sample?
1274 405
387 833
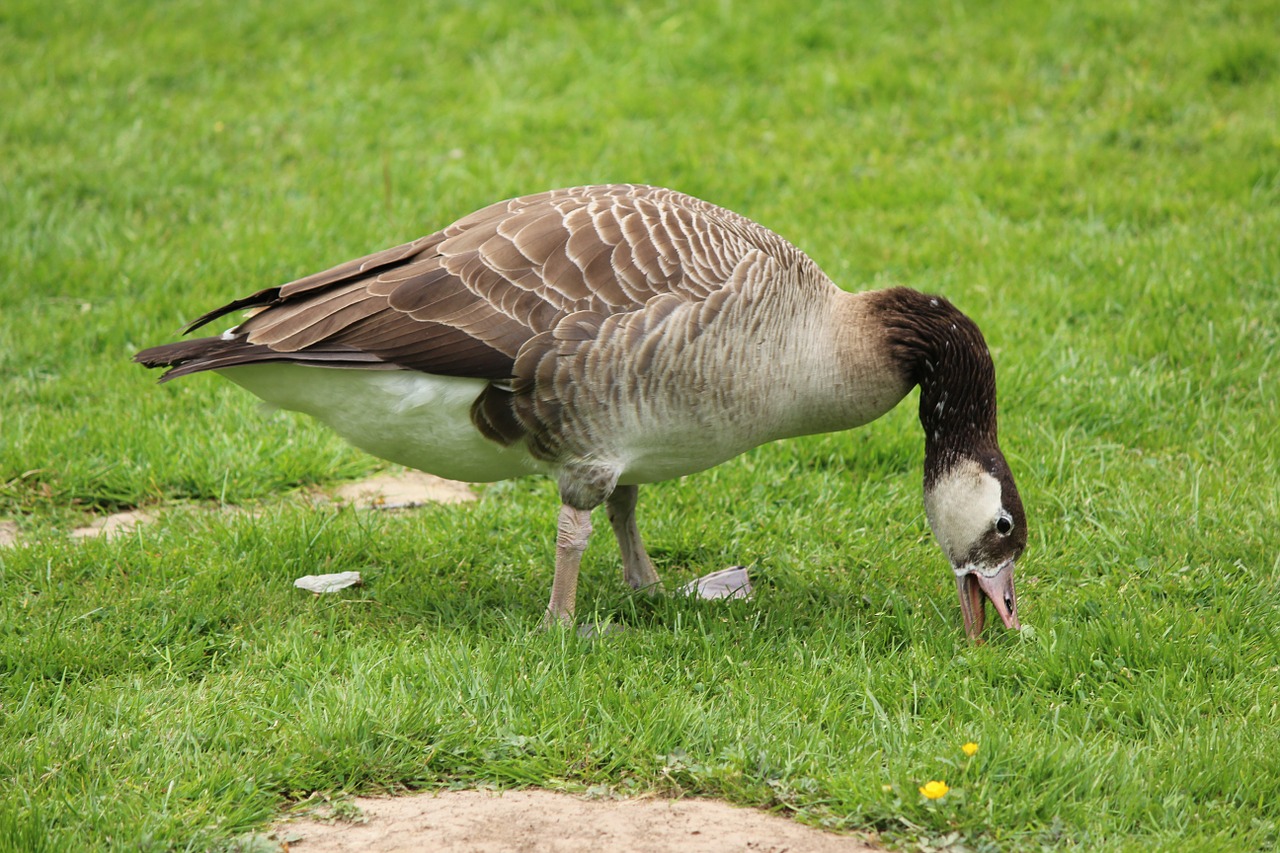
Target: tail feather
194 356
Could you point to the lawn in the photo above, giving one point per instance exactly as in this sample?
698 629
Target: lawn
1096 183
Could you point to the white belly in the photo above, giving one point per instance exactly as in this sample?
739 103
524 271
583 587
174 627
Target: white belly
415 419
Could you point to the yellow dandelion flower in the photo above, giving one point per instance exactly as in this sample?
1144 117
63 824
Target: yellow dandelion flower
934 790
969 749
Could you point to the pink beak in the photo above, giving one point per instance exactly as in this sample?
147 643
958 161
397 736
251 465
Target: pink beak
974 590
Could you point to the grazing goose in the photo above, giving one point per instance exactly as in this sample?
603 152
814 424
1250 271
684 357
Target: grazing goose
610 336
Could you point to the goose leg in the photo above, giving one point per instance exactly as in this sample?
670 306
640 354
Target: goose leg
637 568
582 489
572 533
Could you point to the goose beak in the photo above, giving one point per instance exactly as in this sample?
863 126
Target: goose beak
975 588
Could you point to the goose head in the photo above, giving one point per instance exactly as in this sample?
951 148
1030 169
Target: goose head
977 517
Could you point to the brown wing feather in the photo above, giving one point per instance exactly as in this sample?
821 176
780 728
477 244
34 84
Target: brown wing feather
465 300
193 356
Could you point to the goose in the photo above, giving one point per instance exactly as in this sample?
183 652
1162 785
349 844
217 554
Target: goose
617 335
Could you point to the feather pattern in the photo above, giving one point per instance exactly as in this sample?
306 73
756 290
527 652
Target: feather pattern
520 292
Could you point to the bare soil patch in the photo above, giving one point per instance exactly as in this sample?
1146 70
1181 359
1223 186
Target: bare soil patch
548 822
404 489
116 524
393 490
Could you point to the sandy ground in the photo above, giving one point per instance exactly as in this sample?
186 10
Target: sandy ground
547 822
116 524
404 489
398 490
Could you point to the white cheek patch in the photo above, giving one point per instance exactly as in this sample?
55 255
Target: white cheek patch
961 508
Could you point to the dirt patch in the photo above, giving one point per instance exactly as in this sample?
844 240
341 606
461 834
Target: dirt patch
398 490
116 524
547 822
404 489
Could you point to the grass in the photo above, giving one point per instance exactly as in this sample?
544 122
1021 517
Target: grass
1098 184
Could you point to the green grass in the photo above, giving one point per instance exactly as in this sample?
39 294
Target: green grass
1097 183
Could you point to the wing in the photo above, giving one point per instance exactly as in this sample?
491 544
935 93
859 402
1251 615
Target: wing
463 301
505 294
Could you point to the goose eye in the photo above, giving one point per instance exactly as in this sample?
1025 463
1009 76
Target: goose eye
1004 525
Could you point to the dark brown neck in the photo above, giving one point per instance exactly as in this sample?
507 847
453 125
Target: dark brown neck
941 350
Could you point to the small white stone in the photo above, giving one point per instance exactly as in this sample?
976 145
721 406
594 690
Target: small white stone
320 584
